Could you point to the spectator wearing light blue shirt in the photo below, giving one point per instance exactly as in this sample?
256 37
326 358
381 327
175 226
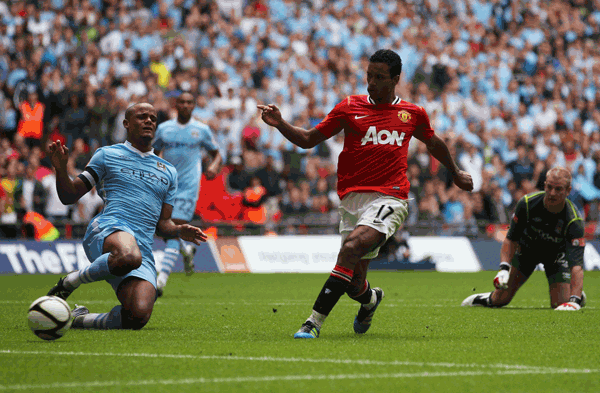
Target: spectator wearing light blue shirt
459 123
385 40
500 175
592 124
482 11
202 111
525 122
280 36
16 75
535 106
583 183
506 148
527 90
516 42
531 60
496 122
512 101
410 55
452 208
47 14
279 10
504 74
4 66
533 35
441 122
8 122
496 94
589 90
571 114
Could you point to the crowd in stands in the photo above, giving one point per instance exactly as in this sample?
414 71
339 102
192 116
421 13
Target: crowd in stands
512 86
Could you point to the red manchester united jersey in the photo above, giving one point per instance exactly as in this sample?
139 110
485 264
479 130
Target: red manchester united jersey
375 143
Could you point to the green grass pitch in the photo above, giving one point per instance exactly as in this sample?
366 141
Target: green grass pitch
233 333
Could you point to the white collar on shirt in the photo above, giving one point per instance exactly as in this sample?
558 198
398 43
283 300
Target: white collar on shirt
396 100
141 153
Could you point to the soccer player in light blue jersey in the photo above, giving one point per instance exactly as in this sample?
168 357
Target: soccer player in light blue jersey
138 189
181 141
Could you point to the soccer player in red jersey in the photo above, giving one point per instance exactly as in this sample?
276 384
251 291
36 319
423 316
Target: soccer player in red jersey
372 182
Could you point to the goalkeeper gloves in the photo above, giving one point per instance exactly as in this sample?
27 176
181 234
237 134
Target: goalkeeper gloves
501 279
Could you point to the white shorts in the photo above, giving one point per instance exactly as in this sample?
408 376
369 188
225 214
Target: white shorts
381 212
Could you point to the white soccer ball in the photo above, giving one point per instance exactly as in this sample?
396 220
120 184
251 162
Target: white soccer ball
568 307
49 317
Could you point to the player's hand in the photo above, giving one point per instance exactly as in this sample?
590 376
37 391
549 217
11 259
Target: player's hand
270 114
210 174
59 155
570 306
463 180
192 234
501 280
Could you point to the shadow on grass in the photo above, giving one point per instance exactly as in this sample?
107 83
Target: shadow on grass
384 338
526 308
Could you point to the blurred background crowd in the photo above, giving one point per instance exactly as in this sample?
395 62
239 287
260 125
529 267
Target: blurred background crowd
512 86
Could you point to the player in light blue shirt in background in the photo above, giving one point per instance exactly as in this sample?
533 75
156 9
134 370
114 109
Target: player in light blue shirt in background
181 141
138 189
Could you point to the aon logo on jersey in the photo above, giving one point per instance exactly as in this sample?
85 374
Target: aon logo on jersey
383 137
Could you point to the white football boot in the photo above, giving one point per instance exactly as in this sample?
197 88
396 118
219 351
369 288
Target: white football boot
477 300
188 253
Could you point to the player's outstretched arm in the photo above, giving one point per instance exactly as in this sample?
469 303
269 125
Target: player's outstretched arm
508 250
168 229
438 149
69 191
213 168
300 137
192 234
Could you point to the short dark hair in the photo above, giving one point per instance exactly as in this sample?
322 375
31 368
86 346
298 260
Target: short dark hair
389 57
179 97
129 111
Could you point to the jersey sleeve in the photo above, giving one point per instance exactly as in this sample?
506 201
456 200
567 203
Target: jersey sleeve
95 170
158 143
575 243
334 122
518 222
423 129
170 199
208 140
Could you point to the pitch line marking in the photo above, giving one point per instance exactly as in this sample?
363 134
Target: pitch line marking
507 367
292 303
190 381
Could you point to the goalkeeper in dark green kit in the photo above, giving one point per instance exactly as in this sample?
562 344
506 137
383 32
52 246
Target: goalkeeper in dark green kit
546 228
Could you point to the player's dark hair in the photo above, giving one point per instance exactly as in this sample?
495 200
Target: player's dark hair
186 92
389 57
129 111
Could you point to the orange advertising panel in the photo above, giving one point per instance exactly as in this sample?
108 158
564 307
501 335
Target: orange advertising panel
232 258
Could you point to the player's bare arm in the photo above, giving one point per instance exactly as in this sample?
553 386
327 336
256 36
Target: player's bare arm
214 166
300 137
438 149
69 191
168 229
574 254
508 250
